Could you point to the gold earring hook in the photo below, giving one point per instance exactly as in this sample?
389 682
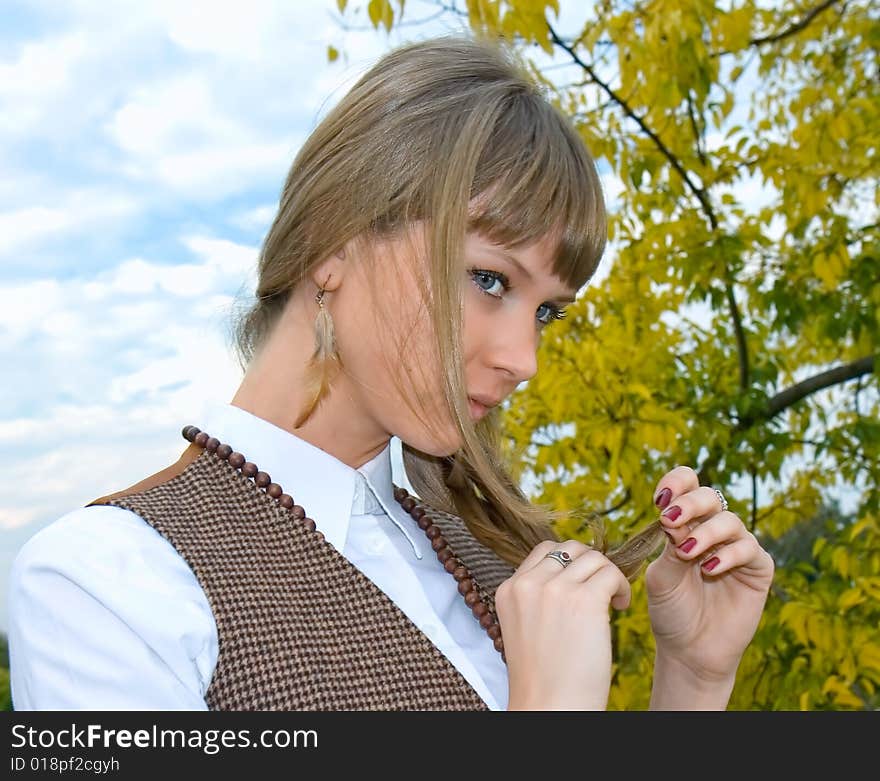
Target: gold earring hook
319 298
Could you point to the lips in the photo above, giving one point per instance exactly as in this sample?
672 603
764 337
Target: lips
477 410
485 401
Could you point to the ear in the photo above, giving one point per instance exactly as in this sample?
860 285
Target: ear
329 272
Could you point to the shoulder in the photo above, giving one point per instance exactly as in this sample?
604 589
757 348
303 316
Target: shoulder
102 609
84 534
104 550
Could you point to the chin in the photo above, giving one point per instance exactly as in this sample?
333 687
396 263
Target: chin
423 439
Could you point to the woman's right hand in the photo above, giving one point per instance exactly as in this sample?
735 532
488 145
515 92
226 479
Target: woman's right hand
556 628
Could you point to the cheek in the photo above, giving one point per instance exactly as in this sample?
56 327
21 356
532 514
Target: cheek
475 324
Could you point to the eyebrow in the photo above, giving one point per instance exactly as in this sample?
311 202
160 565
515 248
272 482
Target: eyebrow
563 299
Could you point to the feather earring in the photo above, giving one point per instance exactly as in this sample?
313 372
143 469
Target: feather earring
323 364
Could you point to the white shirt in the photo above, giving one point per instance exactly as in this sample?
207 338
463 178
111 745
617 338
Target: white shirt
104 614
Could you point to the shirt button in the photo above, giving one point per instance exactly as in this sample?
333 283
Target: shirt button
376 545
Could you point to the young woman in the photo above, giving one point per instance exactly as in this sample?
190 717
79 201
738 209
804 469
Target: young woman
430 229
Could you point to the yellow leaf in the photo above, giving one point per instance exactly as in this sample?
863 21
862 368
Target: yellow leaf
869 658
380 12
850 598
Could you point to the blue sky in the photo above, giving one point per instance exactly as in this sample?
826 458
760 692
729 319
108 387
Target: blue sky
143 147
142 150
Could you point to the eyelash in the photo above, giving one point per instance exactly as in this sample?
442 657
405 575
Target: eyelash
555 312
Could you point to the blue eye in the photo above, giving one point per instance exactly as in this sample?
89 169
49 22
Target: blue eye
492 276
555 313
480 276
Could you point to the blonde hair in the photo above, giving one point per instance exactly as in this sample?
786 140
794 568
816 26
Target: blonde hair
433 126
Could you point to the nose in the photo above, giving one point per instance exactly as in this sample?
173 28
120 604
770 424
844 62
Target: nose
516 351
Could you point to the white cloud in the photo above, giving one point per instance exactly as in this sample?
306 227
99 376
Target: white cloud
30 83
131 354
76 211
259 217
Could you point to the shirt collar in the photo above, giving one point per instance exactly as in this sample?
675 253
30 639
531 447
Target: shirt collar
329 491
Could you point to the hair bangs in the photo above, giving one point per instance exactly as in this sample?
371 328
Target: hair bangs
538 179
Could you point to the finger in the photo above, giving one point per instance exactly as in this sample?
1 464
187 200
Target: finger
587 568
744 553
674 483
722 529
695 505
582 568
537 553
613 585
543 568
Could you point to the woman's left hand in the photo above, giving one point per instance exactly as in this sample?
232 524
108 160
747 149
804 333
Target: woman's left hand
705 603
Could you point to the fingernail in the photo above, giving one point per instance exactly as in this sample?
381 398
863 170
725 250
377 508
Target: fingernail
711 564
686 546
672 512
662 499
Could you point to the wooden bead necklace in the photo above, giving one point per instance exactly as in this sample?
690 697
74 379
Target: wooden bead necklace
418 512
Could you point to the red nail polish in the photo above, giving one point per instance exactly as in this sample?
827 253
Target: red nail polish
672 512
686 546
711 564
663 498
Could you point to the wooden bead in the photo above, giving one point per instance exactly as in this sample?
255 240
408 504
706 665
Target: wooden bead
418 512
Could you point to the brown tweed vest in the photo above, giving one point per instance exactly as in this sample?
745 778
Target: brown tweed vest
299 626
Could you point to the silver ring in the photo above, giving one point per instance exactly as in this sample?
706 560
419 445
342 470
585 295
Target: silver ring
563 557
721 499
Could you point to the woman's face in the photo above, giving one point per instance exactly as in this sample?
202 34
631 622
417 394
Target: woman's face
509 298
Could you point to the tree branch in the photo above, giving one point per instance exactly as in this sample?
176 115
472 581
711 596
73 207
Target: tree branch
754 522
741 346
785 399
796 27
790 396
699 192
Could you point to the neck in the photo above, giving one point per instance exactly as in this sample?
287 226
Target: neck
272 390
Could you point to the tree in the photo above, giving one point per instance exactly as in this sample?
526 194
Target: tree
737 329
